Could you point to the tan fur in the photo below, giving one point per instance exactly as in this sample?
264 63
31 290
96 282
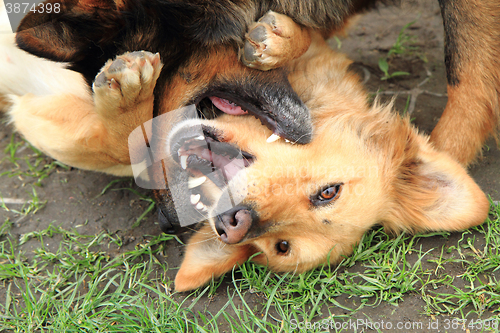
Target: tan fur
391 176
472 113
196 75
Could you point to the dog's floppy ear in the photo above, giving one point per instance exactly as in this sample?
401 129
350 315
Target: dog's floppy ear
431 191
207 258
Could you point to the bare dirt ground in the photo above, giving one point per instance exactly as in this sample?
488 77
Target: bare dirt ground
71 195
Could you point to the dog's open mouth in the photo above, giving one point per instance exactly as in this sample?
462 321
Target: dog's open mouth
210 162
212 106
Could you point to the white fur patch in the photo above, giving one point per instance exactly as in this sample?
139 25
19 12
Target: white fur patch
23 73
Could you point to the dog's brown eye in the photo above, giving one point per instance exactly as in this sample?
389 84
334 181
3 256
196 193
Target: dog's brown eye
282 247
329 193
326 195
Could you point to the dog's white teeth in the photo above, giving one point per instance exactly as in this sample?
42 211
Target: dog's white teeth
272 138
195 182
183 160
200 206
200 138
195 198
287 141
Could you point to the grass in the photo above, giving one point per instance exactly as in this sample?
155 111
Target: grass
33 165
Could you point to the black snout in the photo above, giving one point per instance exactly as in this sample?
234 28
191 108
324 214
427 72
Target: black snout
233 225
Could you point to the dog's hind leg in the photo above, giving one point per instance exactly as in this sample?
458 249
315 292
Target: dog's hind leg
472 53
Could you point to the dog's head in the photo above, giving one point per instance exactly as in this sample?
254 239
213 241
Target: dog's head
303 206
220 85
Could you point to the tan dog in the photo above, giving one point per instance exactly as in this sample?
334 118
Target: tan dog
310 205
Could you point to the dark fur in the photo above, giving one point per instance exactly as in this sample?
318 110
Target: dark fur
451 56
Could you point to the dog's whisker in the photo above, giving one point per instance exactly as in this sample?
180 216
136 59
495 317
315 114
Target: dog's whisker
221 245
203 241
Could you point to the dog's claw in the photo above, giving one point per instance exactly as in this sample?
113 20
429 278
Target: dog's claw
113 84
273 41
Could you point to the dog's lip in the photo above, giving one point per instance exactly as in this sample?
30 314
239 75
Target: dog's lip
265 117
231 104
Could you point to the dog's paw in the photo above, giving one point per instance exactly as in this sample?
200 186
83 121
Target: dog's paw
127 80
273 41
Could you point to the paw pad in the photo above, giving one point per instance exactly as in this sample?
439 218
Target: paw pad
259 34
117 66
269 18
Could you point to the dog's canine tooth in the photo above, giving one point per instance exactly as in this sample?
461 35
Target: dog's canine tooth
272 138
195 182
183 160
195 198
200 205
200 138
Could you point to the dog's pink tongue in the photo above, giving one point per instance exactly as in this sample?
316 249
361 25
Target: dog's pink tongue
226 106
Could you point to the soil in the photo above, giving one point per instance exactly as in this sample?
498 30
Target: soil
71 194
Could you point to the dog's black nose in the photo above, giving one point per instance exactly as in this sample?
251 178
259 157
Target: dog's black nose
233 225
